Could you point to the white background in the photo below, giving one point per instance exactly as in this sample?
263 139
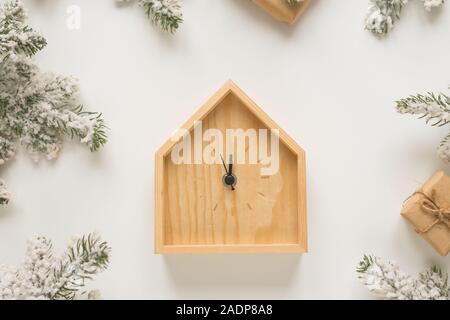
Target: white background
329 83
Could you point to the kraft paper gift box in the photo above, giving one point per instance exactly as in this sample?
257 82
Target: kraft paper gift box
428 210
282 10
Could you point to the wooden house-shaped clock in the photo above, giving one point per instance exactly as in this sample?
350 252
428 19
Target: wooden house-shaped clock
230 181
282 10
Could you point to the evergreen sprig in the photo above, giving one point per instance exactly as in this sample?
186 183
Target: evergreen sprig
430 106
436 279
15 37
435 109
165 13
37 110
383 14
88 256
4 194
45 276
364 264
99 137
293 2
385 280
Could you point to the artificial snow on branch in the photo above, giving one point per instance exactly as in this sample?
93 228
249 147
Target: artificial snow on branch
47 277
435 109
385 280
430 4
382 14
293 2
4 194
37 110
165 13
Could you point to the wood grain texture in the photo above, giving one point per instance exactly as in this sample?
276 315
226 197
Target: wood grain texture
282 11
196 214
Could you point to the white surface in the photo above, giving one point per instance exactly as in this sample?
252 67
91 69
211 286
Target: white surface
330 84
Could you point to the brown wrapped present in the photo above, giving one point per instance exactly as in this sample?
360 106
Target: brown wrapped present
282 10
428 210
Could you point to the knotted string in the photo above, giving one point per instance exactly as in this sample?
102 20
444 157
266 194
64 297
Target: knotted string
430 207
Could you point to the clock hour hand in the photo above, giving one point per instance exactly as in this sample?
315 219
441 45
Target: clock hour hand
230 171
230 165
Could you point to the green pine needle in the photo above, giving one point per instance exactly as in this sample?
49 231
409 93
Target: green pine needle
364 264
87 257
166 22
293 2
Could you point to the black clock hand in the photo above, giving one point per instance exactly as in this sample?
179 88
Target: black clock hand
230 171
224 165
229 179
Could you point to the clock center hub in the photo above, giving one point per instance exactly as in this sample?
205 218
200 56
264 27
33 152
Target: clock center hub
229 180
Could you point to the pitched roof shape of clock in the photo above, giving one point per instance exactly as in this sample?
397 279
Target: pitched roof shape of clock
282 10
231 181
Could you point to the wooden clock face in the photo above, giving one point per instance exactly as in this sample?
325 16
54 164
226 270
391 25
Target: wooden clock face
210 206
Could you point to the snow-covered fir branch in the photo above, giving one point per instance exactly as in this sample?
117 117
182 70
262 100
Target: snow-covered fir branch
430 4
37 110
435 109
165 13
385 280
294 2
4 193
44 276
444 149
382 14
15 36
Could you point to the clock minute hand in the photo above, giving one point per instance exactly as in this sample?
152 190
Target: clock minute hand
224 165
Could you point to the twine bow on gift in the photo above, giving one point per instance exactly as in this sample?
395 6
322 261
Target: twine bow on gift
430 207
